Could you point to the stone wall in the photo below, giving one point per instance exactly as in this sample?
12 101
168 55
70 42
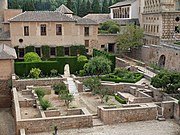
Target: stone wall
168 109
5 94
127 113
121 63
152 53
21 84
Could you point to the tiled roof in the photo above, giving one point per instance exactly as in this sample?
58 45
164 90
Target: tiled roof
84 20
99 18
123 3
63 9
5 35
7 52
38 16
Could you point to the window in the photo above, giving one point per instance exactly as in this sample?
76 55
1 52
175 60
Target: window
86 31
58 29
43 29
102 46
66 50
21 52
87 50
53 51
86 43
26 30
38 51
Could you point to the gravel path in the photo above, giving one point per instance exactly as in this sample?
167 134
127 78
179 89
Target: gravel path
6 122
168 127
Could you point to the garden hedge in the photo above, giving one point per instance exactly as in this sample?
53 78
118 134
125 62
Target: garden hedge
60 50
23 68
109 56
45 52
78 49
119 99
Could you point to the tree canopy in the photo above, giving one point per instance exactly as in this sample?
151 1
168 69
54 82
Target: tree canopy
130 37
98 65
169 81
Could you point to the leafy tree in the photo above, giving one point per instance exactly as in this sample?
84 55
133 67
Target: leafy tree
67 97
93 84
32 57
28 6
59 88
105 8
130 37
169 81
98 65
69 4
109 27
95 6
102 93
45 103
15 4
40 92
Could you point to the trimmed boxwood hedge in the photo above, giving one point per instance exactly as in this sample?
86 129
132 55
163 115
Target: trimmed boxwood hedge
117 79
45 52
119 99
23 68
110 56
78 49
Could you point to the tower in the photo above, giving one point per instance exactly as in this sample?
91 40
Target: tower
3 6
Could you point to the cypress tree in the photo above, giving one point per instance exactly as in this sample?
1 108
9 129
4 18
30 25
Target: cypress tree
83 9
110 3
95 6
88 7
69 4
105 8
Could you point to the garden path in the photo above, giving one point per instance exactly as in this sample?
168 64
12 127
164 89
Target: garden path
72 87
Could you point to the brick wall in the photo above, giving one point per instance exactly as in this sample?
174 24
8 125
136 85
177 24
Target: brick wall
5 94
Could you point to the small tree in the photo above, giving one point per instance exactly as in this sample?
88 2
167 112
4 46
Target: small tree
130 37
67 97
109 27
32 57
45 103
40 92
102 93
59 88
93 84
98 65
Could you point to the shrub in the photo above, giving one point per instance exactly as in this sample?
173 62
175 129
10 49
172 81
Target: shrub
35 72
45 52
109 27
113 29
45 103
32 57
40 92
59 87
82 58
120 100
82 72
54 72
60 51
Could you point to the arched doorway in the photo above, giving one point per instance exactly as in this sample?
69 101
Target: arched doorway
162 61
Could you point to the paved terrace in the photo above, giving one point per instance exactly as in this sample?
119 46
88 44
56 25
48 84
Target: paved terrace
168 127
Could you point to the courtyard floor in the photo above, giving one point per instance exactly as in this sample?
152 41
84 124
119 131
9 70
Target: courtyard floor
168 127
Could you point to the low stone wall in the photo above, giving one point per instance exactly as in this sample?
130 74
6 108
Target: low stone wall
27 103
121 63
79 85
21 84
127 113
5 101
168 109
52 113
79 118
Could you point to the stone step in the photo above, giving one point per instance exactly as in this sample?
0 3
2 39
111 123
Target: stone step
161 118
95 117
97 122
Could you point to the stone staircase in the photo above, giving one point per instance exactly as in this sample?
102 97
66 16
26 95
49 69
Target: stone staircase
96 121
72 86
